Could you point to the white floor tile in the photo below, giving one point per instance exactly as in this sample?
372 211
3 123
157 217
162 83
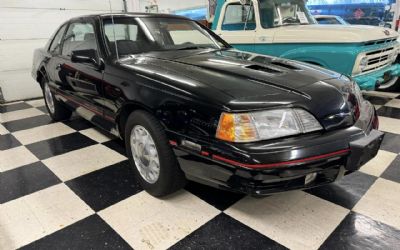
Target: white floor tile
34 216
36 103
79 162
146 222
382 202
389 124
96 134
42 133
377 165
15 157
19 114
295 219
381 94
377 106
394 103
3 130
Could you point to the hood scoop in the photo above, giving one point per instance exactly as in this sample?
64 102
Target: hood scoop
284 65
262 68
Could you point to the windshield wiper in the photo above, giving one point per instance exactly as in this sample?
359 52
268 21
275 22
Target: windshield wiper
194 47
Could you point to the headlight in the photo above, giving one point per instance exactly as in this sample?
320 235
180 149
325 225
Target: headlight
263 125
363 63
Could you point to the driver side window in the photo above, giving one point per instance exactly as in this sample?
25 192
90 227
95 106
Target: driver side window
56 43
79 36
239 17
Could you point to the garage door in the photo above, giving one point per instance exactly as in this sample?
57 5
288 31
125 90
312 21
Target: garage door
26 25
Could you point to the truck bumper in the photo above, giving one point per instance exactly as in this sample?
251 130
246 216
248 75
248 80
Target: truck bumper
372 80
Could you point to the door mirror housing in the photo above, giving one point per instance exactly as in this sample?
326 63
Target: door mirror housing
86 56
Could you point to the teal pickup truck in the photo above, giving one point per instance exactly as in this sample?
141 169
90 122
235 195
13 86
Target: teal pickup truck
285 28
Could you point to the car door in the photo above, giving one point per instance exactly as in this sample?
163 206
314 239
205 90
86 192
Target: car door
82 81
238 25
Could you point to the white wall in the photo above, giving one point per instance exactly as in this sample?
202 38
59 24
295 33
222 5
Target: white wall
166 6
26 25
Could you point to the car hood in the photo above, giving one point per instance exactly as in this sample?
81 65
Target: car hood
240 81
318 33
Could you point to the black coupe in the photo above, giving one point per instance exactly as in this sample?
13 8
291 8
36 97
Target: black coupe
189 106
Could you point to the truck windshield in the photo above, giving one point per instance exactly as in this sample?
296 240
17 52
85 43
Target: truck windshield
275 13
141 35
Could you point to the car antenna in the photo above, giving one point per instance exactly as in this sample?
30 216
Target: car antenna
112 21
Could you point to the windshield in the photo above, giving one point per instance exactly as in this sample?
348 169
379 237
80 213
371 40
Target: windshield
141 35
275 13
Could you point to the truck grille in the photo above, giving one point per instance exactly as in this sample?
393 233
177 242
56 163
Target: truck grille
378 59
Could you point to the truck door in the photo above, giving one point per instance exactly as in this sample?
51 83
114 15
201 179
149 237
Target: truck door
238 24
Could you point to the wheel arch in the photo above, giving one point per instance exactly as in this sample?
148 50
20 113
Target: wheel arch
125 111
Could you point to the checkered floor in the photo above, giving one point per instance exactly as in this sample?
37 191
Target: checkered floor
68 185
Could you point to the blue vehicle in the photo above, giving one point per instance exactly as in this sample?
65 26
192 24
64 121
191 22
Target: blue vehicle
285 28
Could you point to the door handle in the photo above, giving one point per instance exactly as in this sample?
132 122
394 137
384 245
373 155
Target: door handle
58 67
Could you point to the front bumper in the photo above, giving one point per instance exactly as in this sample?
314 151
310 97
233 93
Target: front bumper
283 164
371 81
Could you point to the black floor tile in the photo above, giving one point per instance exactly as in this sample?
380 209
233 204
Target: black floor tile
220 199
389 112
89 233
106 186
8 141
79 124
391 143
25 180
357 231
43 109
377 100
14 107
224 232
60 145
27 123
392 172
347 191
116 145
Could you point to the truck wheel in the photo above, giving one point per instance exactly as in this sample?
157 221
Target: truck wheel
56 109
391 86
151 155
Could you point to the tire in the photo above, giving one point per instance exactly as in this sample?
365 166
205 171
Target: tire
56 109
170 177
391 87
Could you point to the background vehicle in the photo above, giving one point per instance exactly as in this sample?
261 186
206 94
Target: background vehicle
190 107
330 19
287 29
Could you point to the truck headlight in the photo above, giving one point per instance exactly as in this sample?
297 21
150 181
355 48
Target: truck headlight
363 63
263 125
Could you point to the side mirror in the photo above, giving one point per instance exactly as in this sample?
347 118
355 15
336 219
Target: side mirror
387 25
86 56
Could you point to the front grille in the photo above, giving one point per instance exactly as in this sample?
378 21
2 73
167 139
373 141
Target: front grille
378 59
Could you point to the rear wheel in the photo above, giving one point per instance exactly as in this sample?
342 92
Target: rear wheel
151 155
56 109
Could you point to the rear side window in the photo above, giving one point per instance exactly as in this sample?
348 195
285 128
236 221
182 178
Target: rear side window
79 36
239 17
56 43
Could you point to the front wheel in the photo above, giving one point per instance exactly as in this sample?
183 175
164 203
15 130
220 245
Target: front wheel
392 85
56 109
151 155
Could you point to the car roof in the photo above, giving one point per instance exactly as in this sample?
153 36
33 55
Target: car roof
131 14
